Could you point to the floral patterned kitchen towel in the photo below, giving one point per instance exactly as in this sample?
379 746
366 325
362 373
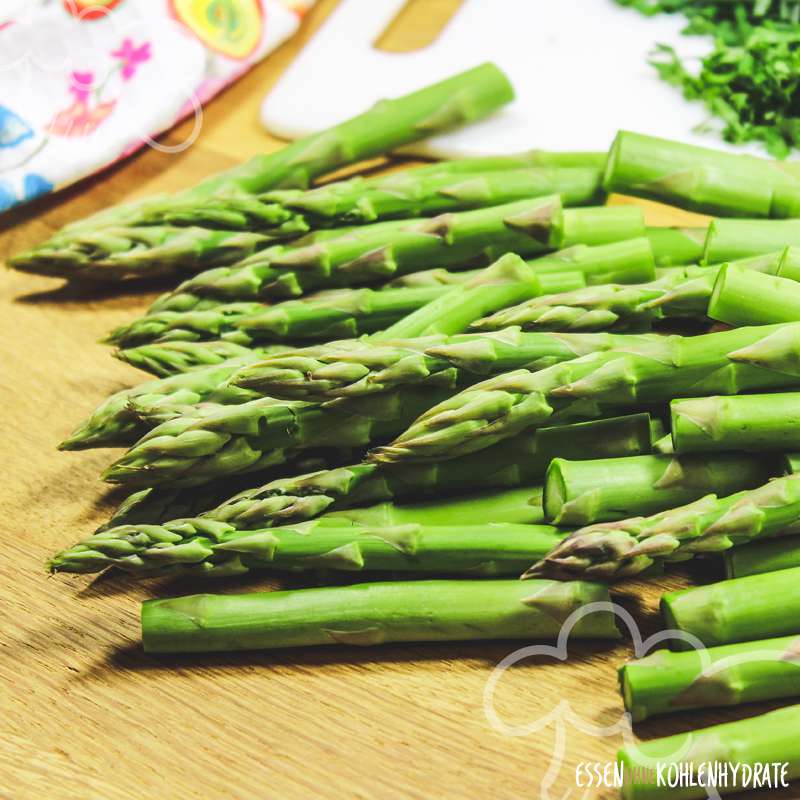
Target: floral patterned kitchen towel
84 83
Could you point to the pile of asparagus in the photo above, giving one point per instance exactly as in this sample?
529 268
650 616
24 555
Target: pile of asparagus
455 375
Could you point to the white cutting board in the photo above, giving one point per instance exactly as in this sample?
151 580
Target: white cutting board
579 68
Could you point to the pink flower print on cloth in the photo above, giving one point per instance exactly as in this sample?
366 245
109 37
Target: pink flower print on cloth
131 56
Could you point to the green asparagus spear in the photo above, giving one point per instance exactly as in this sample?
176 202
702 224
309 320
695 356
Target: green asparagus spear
173 358
752 422
731 239
190 449
363 256
367 495
352 369
220 550
741 748
759 557
700 179
665 682
496 286
677 246
118 253
682 293
602 490
411 194
710 525
334 314
373 613
455 101
648 371
738 610
626 261
114 422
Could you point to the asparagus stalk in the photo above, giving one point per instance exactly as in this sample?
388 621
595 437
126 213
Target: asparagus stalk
154 505
731 239
477 550
373 254
506 281
353 369
700 179
751 422
738 610
709 525
114 422
190 449
642 371
757 743
373 613
596 225
413 194
665 682
759 557
607 489
626 261
334 314
741 297
682 293
165 359
365 494
677 246
455 101
118 253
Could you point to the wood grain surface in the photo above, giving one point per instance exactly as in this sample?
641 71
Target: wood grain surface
85 714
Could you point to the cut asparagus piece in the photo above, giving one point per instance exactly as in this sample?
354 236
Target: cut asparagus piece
455 101
639 372
710 525
742 297
192 448
173 358
596 225
217 550
603 490
753 422
664 682
373 613
759 557
352 369
677 246
413 194
115 423
701 179
757 743
738 610
682 293
731 239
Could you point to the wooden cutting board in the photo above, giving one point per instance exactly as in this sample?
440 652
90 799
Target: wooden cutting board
84 714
